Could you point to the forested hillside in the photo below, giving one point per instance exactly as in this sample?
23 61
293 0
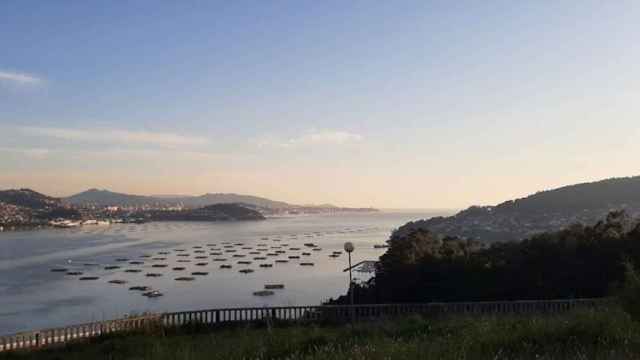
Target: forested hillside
549 210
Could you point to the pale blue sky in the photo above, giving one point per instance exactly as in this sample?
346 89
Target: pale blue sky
389 104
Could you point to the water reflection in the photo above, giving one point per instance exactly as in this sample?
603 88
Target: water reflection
184 262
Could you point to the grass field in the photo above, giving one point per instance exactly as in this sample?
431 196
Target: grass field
606 334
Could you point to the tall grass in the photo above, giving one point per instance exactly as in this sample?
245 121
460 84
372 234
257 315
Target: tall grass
603 334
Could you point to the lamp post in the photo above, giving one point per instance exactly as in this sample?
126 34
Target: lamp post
348 247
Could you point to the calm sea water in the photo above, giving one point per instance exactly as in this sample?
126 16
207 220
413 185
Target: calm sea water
33 297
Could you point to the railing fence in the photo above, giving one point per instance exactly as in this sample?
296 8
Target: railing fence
330 313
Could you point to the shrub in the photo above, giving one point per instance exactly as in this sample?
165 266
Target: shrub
629 293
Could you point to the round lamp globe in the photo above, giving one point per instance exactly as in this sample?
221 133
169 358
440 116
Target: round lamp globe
348 246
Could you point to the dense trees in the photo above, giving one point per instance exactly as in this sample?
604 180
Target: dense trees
580 261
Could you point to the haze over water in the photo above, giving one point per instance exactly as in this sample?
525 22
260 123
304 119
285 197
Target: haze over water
33 297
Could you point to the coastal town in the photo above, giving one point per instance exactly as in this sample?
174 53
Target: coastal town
28 209
13 217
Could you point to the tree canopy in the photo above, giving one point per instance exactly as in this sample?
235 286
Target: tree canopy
580 261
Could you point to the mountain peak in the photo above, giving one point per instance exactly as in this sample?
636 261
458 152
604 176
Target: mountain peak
549 210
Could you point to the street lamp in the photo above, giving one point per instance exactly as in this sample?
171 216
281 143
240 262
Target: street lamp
348 247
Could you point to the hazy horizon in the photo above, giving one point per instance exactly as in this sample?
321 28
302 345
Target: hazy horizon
388 209
412 104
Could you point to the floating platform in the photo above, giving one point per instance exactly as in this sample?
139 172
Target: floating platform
140 288
263 293
273 286
152 294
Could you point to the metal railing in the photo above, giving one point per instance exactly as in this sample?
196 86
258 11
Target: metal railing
329 313
48 337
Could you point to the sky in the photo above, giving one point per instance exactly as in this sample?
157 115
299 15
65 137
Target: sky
392 104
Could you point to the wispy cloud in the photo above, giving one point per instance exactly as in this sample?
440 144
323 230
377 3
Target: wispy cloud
33 153
150 154
326 137
315 137
116 136
20 78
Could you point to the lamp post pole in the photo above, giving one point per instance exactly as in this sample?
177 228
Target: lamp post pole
350 280
348 247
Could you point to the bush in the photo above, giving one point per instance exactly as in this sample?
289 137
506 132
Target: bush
629 293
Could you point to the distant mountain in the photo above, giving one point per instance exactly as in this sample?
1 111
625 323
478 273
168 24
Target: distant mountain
25 206
102 198
548 210
28 198
210 199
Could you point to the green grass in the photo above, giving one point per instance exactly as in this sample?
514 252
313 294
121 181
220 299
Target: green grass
606 334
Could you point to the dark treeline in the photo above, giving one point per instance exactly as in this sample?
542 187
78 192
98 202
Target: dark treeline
581 261
208 213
